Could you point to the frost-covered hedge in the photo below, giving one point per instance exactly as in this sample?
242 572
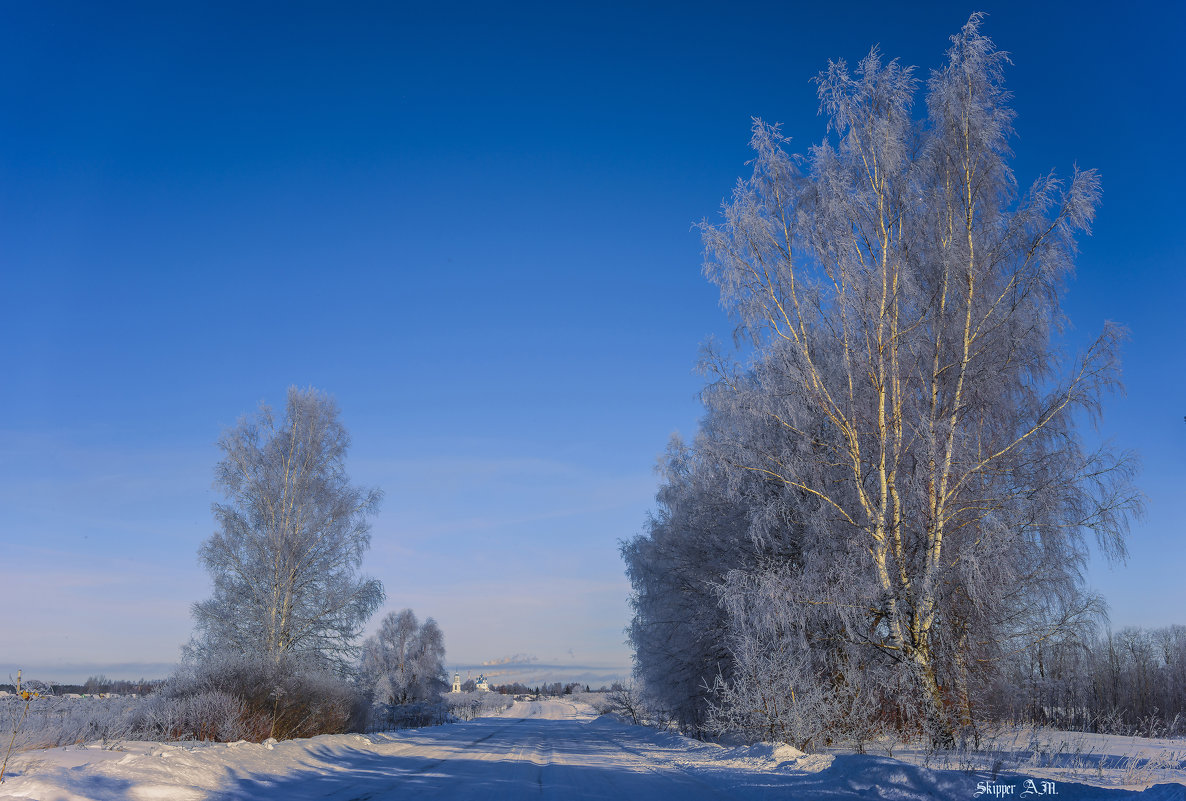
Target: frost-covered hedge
232 699
467 706
271 700
385 717
55 721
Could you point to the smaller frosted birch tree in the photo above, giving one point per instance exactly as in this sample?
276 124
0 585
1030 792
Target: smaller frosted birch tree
404 662
292 533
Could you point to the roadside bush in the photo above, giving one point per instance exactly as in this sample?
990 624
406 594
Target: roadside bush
225 700
600 701
266 699
632 703
209 715
53 721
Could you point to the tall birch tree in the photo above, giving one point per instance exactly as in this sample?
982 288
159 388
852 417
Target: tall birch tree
292 533
906 393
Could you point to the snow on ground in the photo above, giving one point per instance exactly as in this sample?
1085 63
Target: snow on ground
546 749
1105 760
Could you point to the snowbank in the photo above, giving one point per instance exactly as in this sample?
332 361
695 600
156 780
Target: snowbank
556 748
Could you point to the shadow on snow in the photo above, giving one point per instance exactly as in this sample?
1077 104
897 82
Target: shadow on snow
502 758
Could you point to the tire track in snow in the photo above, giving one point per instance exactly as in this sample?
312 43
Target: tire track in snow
431 765
669 770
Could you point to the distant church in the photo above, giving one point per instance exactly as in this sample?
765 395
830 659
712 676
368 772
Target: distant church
482 684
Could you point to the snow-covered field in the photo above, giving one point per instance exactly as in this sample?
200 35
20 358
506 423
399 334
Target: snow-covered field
556 749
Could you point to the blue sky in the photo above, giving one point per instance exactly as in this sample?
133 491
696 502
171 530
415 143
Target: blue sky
472 225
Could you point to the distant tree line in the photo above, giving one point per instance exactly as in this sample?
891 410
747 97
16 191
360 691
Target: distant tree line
101 685
555 688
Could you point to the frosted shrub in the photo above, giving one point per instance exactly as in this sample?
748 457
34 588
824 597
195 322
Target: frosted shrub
386 717
210 715
53 721
628 701
772 699
282 700
232 699
57 721
600 701
467 706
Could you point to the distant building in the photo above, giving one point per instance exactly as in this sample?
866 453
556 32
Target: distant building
481 685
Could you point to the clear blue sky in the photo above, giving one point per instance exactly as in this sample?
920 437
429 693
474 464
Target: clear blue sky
471 224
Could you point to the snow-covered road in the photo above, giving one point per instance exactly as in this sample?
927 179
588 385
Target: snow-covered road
548 749
537 750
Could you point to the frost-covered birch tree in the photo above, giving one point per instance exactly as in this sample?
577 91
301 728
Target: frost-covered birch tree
292 533
404 662
905 393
